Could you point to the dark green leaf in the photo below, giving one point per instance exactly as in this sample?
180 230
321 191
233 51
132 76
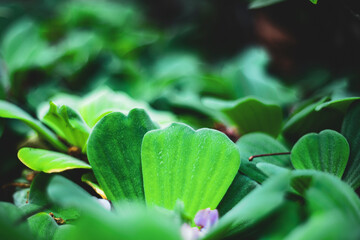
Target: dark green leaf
114 152
253 208
250 115
259 143
327 151
316 117
350 129
42 225
239 188
8 110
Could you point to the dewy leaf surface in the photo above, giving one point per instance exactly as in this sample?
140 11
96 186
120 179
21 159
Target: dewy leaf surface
250 115
114 152
350 129
67 124
49 161
196 167
327 151
8 110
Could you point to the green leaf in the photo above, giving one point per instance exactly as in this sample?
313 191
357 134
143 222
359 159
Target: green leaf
10 228
89 179
263 3
331 225
314 1
328 193
327 151
49 161
39 199
250 115
104 101
239 188
316 117
196 167
253 208
259 143
8 110
42 225
350 129
67 124
114 152
33 52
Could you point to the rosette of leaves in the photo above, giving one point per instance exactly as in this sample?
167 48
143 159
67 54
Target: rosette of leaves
70 127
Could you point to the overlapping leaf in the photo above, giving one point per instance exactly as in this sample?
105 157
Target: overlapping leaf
49 161
8 110
114 152
196 167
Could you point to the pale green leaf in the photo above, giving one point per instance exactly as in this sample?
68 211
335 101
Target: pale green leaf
196 167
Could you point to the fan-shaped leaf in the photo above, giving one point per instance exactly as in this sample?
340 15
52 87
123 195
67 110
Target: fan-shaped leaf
196 167
327 151
49 161
114 152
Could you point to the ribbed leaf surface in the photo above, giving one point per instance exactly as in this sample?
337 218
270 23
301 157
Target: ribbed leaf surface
114 152
327 151
196 167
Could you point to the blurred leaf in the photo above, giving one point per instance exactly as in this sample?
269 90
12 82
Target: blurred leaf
196 167
239 188
42 225
327 151
89 179
114 152
21 197
263 3
327 193
330 225
248 76
67 124
104 101
314 1
132 221
260 143
33 52
9 227
253 208
39 200
350 129
318 116
49 161
250 115
8 110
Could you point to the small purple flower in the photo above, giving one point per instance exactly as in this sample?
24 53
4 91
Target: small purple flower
206 218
